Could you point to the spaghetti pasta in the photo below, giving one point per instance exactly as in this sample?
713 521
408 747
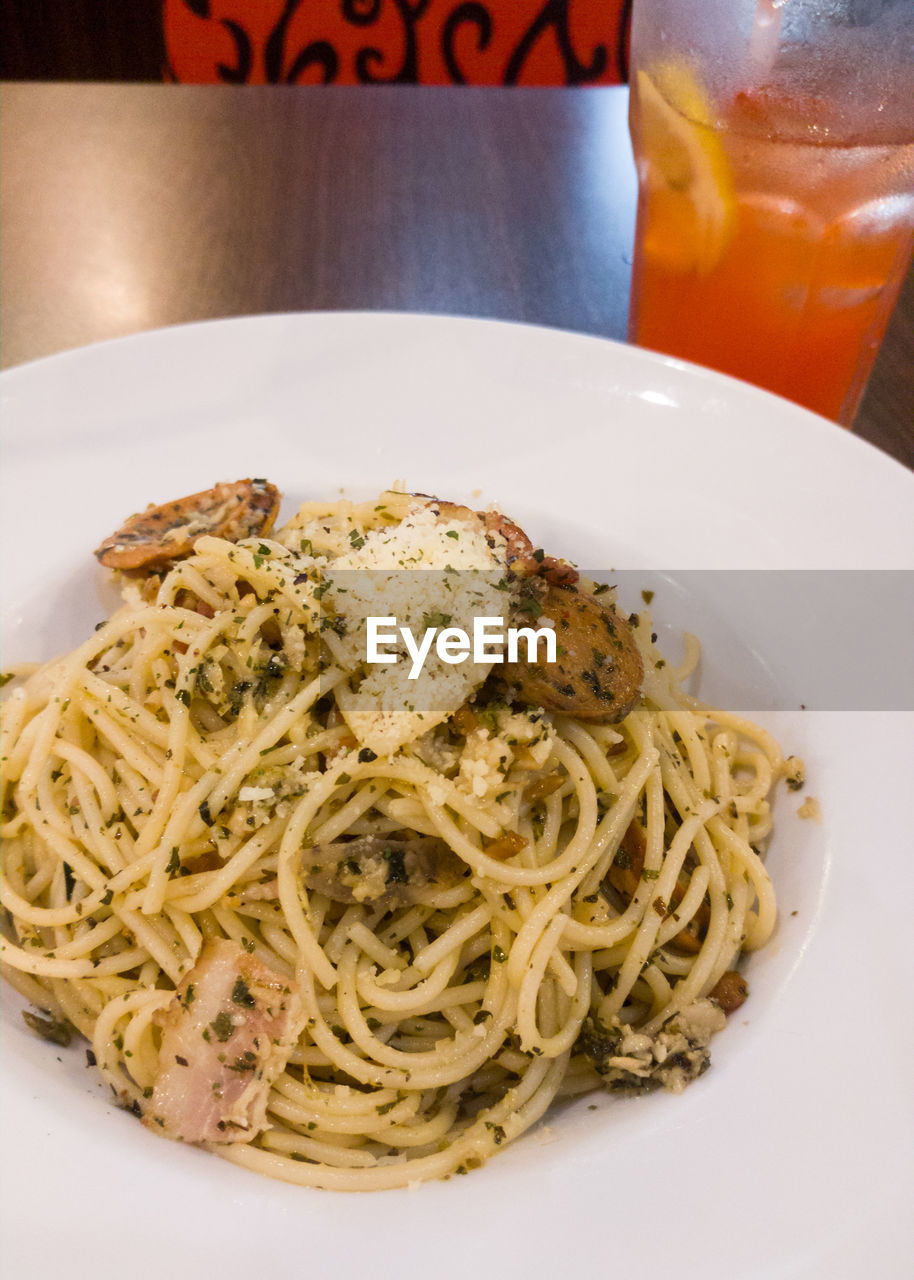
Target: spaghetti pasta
366 967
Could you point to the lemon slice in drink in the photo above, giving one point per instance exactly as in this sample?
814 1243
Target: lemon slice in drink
691 205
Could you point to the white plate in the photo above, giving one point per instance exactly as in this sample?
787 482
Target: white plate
789 1158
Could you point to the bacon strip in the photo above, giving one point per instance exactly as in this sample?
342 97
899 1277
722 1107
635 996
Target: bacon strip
225 1038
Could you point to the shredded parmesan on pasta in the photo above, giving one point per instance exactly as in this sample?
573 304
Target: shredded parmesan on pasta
204 767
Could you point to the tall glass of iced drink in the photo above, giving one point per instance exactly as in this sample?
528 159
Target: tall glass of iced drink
774 141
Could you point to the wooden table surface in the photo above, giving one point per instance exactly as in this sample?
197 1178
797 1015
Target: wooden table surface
127 207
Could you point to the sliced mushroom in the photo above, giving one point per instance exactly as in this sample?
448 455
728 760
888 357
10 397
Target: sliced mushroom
380 871
598 672
730 991
156 537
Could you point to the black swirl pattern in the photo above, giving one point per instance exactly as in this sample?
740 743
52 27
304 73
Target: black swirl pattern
471 13
554 14
241 72
362 13
275 47
409 70
568 42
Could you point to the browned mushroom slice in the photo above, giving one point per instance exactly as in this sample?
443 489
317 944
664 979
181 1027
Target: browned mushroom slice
730 991
379 871
598 671
158 536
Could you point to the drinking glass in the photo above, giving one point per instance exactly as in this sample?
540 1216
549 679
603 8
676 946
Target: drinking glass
774 142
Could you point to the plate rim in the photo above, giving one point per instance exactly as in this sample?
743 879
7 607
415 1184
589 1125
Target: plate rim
465 1190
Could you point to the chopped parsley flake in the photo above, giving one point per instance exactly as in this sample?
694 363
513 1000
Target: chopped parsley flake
223 1025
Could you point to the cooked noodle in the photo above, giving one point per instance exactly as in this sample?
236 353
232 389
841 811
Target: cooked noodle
161 781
